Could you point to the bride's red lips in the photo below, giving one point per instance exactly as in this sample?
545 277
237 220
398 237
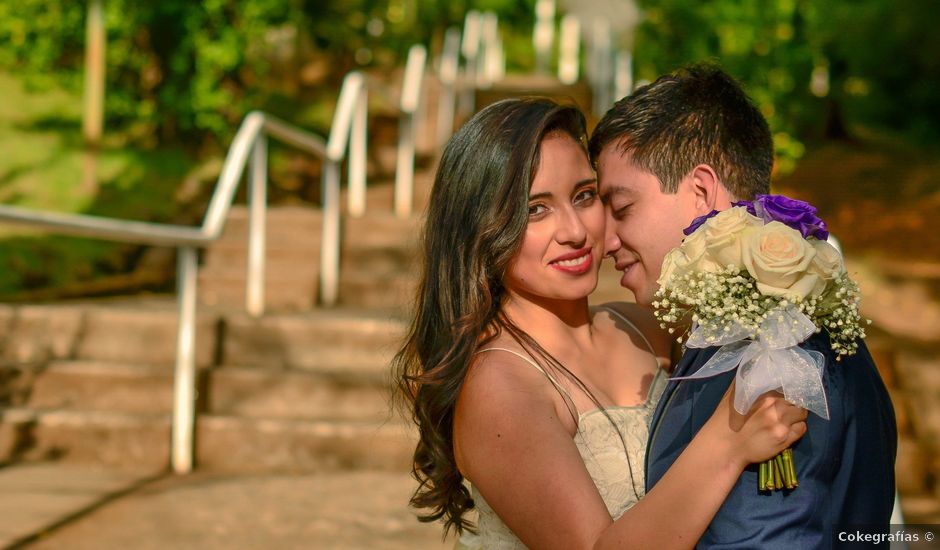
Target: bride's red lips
572 255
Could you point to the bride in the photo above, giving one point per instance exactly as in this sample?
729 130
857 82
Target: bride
519 387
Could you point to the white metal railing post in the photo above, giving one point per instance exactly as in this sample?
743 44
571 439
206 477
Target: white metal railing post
470 48
543 35
447 73
410 100
569 49
623 75
329 248
257 206
184 379
346 123
602 65
488 58
358 137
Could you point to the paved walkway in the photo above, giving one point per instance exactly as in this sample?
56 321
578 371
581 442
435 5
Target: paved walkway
347 510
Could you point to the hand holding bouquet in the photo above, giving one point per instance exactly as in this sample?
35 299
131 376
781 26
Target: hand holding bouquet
757 280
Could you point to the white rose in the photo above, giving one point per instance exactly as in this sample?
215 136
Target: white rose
828 261
724 234
696 255
670 265
779 258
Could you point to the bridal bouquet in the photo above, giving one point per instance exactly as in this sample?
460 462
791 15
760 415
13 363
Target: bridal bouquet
757 280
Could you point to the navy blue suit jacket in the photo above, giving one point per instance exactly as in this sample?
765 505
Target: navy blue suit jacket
845 466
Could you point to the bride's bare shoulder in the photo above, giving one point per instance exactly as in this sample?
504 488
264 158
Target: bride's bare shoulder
502 371
502 396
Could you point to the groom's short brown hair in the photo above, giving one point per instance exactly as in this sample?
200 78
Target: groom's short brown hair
696 115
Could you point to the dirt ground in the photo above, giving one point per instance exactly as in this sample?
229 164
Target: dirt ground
879 198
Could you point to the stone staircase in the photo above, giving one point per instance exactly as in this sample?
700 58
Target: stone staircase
302 388
269 397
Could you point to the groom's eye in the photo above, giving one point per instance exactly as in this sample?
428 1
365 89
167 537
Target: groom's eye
621 211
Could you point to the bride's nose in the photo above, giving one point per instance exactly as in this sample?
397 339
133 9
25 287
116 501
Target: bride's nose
570 228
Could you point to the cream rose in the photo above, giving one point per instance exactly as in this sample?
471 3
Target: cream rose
828 261
696 255
670 265
723 234
779 258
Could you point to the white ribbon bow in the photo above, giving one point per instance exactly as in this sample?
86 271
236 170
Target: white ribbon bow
771 361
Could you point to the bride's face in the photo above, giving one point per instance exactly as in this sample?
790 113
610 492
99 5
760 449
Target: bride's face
564 240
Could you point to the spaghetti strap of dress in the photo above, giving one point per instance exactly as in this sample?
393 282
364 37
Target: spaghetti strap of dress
649 346
529 360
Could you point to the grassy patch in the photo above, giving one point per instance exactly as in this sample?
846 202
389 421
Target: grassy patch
43 165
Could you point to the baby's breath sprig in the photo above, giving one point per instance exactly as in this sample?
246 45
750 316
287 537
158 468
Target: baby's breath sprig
722 301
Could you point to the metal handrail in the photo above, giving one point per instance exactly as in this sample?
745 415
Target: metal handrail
248 146
447 74
409 105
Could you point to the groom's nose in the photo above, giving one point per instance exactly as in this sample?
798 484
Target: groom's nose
611 239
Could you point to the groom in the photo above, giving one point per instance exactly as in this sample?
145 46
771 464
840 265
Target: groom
676 149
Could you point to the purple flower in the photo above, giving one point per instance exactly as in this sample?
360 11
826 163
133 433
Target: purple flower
697 222
799 215
746 204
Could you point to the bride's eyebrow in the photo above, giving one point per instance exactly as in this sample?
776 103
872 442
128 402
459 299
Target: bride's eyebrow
543 195
582 183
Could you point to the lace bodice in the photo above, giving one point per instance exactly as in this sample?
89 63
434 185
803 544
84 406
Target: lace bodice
618 474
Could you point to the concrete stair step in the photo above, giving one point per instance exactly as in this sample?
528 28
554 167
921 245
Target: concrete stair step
144 332
289 214
107 438
290 273
233 257
380 192
371 290
121 332
279 234
237 391
226 443
381 229
379 261
229 292
328 395
223 443
332 340
94 386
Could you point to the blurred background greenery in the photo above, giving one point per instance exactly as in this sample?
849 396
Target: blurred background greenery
854 82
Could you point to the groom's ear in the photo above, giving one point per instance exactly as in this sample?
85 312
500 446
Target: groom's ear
708 191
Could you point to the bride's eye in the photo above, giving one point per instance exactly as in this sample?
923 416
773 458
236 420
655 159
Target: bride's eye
586 196
537 209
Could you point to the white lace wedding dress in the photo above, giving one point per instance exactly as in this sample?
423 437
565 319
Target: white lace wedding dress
617 472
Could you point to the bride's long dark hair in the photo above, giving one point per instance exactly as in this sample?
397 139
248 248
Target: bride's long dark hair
475 224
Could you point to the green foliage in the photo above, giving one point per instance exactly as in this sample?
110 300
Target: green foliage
175 68
880 58
43 165
187 70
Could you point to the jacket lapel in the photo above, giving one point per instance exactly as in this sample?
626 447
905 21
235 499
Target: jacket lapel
688 359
